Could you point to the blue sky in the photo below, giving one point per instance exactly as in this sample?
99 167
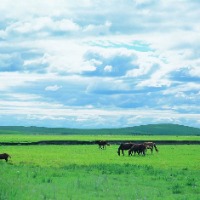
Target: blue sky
99 63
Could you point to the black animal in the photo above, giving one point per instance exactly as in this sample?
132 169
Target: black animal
5 156
102 144
137 148
150 145
124 146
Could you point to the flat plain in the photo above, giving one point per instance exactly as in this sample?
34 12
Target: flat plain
35 138
87 172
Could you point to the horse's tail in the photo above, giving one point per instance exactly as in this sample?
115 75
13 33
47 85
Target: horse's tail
155 147
119 150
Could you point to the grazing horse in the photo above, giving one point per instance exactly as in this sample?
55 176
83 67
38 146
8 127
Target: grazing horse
124 146
151 145
102 144
5 156
137 148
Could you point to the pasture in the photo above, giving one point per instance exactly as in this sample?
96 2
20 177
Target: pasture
60 172
35 138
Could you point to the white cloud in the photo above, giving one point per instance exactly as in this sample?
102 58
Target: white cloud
45 25
22 9
109 85
42 117
183 87
16 79
22 97
97 29
154 83
53 88
195 70
108 68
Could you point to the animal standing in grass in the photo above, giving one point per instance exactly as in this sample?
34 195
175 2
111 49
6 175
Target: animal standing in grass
102 144
151 145
137 148
123 147
4 156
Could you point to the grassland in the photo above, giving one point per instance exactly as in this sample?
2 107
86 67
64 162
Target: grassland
35 138
86 172
61 155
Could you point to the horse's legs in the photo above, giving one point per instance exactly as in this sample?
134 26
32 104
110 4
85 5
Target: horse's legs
123 152
118 152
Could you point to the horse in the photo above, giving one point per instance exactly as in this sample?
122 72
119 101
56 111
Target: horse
124 146
151 145
137 148
5 156
102 144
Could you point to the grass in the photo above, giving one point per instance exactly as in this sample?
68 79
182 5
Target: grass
176 156
85 172
35 138
62 155
100 181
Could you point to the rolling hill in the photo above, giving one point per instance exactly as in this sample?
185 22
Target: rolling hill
151 129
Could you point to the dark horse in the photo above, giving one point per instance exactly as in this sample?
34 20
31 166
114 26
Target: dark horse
150 145
5 156
137 148
124 146
102 144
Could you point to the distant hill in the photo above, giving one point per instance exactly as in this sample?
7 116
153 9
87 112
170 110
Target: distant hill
151 129
166 129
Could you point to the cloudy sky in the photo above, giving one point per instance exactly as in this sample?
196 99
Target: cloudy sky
99 63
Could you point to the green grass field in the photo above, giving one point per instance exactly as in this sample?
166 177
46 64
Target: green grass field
35 138
86 172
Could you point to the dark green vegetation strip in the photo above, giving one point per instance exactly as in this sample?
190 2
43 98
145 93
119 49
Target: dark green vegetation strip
77 142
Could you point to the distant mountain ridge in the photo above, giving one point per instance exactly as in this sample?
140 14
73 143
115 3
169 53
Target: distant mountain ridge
151 129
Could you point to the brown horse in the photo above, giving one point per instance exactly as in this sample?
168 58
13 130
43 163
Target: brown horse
124 146
137 148
5 156
151 145
102 144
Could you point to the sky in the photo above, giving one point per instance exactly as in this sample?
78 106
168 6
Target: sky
99 63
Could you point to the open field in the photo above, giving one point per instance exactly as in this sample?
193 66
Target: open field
180 156
35 138
86 172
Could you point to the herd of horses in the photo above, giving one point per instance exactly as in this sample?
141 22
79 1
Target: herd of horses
129 146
